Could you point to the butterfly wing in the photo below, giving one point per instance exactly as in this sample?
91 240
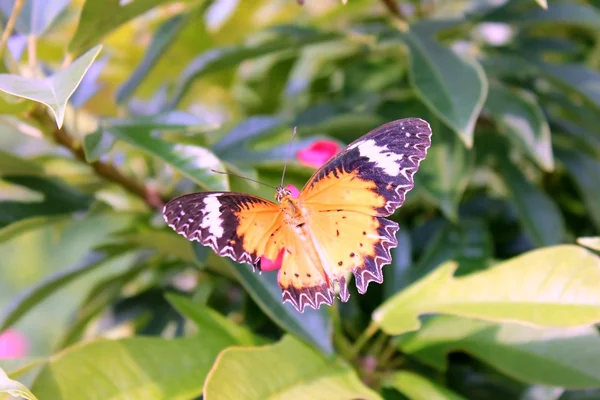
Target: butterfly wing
350 195
237 225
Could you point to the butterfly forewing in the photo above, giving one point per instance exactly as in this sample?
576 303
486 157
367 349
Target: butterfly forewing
349 196
237 225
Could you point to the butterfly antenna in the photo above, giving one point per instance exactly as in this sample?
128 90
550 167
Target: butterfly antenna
242 177
289 155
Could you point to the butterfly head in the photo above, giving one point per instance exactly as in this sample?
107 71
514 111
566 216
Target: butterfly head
281 193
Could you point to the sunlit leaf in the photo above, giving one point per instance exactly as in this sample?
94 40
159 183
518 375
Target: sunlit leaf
138 368
13 388
551 287
519 115
590 242
53 91
270 372
417 387
556 357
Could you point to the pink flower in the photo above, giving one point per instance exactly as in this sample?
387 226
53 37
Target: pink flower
272 265
13 344
318 153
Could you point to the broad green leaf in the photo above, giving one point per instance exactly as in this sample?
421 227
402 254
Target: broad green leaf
550 287
569 14
205 317
193 161
584 171
11 164
451 86
519 115
446 171
286 370
58 199
97 144
37 293
540 216
314 327
162 39
136 368
557 357
590 242
53 91
13 388
218 59
574 78
417 387
163 242
99 18
36 16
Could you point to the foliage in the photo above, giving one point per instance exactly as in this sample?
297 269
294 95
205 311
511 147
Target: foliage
109 109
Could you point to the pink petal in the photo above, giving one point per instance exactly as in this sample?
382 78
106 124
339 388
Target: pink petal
271 265
13 344
295 192
318 153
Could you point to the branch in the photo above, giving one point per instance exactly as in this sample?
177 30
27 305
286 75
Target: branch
10 24
107 171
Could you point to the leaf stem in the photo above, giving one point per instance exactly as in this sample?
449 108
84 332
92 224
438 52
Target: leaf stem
362 340
339 340
10 24
107 171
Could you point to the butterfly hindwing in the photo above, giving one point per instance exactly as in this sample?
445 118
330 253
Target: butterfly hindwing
348 197
237 225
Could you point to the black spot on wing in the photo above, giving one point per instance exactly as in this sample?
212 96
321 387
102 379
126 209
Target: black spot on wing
210 218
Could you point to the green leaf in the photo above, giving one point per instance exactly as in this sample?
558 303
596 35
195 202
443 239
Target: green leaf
100 18
164 242
452 87
574 78
590 242
136 368
551 287
206 317
11 164
557 357
13 388
417 387
37 293
218 59
163 37
97 144
584 171
314 327
53 91
19 227
286 370
195 162
540 216
58 199
446 171
566 14
519 115
36 16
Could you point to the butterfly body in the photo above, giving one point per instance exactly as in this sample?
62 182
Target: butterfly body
334 227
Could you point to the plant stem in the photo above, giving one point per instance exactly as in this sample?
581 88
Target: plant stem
362 340
386 355
10 24
339 340
107 171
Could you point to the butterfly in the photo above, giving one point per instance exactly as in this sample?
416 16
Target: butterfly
335 226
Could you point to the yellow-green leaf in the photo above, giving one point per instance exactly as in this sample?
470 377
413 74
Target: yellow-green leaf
13 388
417 387
286 370
551 287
